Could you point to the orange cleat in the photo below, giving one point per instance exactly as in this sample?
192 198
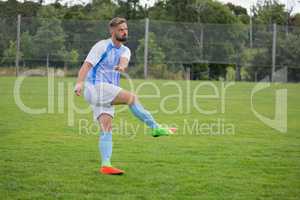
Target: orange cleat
110 170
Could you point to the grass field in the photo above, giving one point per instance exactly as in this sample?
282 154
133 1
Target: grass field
42 157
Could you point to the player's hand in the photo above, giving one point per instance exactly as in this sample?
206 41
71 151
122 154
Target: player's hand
78 89
119 68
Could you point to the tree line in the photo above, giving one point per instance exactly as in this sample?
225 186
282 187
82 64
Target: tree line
64 26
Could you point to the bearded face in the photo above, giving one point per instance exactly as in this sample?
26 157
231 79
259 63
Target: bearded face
120 33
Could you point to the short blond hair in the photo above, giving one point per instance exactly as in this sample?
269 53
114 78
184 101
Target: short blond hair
116 21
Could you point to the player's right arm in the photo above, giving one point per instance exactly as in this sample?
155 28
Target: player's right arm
86 66
90 61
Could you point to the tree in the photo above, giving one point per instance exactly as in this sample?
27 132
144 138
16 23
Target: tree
29 9
130 9
266 14
237 10
9 9
27 47
9 54
5 35
76 12
156 58
288 55
181 41
240 12
50 37
270 12
295 20
159 11
204 11
102 9
70 58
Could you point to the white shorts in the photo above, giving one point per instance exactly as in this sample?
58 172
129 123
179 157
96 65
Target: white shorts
100 97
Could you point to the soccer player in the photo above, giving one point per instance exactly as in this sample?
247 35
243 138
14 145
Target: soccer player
100 75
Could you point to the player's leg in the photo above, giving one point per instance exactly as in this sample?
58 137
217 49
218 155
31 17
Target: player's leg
105 145
126 97
105 142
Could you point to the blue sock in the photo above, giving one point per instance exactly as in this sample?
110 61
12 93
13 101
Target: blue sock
139 111
105 148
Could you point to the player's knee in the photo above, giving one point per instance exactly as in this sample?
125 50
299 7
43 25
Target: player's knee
105 123
133 98
106 126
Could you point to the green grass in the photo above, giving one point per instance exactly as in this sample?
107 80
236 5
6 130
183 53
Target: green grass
41 157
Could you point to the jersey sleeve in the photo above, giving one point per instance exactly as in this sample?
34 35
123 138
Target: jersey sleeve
95 53
126 53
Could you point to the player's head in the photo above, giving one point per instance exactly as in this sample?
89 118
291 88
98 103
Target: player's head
118 29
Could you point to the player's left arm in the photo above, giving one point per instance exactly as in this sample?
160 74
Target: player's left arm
124 60
123 64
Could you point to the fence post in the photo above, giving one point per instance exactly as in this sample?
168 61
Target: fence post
146 48
201 40
251 31
255 76
238 68
18 45
274 51
47 64
188 73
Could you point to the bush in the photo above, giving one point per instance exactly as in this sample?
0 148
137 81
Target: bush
230 74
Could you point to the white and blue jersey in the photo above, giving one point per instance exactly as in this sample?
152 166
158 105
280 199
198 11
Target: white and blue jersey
104 56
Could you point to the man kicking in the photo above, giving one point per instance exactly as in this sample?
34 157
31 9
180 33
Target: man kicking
100 77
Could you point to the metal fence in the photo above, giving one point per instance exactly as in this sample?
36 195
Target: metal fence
160 49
